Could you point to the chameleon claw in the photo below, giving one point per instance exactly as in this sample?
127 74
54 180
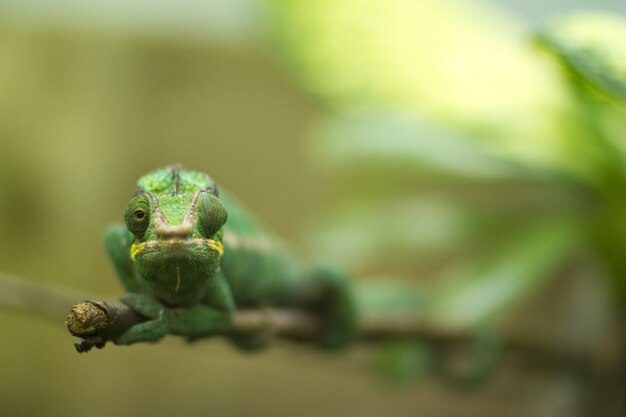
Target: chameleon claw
86 344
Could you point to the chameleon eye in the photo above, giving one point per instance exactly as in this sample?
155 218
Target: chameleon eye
211 214
137 216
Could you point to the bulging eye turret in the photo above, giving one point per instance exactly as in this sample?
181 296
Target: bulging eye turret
137 216
212 214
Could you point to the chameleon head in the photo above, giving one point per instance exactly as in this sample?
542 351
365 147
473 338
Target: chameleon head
178 236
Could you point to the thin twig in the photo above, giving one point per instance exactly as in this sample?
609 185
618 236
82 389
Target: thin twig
40 298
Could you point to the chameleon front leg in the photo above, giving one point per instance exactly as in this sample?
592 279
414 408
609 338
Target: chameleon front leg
196 321
117 241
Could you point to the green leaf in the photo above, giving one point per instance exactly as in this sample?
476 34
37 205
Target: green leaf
411 230
409 146
591 45
496 284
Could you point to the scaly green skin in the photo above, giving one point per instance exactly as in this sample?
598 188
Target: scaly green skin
186 268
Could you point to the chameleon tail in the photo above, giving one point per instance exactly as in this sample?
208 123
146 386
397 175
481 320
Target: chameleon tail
336 307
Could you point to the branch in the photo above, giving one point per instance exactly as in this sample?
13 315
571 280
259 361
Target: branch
96 322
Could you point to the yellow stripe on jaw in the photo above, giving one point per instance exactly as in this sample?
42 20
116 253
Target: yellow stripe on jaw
217 245
135 249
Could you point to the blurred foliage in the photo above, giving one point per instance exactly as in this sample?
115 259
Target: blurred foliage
467 153
516 124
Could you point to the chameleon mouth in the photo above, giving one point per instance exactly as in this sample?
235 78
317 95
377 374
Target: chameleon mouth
137 248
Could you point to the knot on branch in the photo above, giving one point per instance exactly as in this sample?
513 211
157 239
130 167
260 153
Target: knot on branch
86 319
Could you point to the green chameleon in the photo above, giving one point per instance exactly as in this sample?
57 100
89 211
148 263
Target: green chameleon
189 256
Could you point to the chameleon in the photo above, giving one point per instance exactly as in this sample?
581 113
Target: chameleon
188 256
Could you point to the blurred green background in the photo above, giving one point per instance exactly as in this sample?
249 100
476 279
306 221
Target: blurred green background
437 142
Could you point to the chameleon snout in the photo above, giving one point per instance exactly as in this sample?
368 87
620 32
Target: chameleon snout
168 231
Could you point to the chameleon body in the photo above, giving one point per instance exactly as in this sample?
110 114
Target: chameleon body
189 256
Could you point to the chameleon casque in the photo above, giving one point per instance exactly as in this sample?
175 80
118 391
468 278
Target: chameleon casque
189 256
